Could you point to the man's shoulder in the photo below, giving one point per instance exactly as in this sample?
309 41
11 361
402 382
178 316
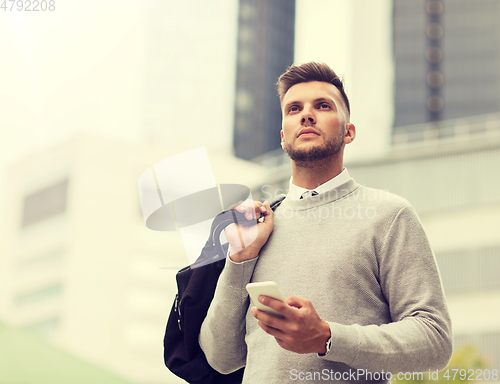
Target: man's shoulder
382 198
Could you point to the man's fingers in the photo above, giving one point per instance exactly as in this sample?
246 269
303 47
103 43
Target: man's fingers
252 209
266 318
269 323
277 305
266 209
273 326
279 335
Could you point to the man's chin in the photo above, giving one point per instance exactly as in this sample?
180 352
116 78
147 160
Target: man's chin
310 155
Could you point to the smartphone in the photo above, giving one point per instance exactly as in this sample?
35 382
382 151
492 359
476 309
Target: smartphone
266 288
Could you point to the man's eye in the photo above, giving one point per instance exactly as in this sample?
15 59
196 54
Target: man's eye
293 109
324 106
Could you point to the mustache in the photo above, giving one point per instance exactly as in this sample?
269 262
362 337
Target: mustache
308 124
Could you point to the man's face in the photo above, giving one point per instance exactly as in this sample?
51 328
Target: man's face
314 121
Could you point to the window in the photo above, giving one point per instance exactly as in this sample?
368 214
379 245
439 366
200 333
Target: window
46 293
470 269
48 259
45 203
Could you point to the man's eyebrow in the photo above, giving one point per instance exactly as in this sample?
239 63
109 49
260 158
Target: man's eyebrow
290 103
330 100
324 99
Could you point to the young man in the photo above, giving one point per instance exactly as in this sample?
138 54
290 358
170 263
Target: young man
364 294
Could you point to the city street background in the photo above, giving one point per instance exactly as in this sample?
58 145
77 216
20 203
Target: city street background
93 93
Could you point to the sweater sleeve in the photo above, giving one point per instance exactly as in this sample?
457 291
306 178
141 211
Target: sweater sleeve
222 334
419 337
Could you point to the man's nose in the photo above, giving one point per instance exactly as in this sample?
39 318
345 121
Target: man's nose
308 116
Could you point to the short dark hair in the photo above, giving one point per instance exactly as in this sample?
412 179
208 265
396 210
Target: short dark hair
307 72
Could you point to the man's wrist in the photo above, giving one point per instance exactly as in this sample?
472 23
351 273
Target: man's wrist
242 255
327 340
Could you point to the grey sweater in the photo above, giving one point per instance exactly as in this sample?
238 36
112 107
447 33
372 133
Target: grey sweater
362 257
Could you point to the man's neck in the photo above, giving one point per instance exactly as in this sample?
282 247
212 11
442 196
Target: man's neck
310 175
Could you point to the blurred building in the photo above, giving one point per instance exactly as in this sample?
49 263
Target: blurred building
447 64
265 49
79 265
188 72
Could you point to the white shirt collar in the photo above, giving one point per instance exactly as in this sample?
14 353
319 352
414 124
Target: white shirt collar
295 192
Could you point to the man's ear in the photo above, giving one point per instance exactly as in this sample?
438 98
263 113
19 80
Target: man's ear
350 133
282 140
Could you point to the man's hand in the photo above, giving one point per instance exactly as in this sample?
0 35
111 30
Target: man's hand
300 331
246 239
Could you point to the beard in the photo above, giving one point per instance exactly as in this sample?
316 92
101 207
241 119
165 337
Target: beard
317 153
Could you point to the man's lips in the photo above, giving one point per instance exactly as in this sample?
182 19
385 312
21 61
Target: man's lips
308 132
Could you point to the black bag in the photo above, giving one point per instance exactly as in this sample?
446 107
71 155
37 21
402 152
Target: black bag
196 287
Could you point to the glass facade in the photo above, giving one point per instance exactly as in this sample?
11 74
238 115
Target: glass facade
447 61
265 50
34 297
